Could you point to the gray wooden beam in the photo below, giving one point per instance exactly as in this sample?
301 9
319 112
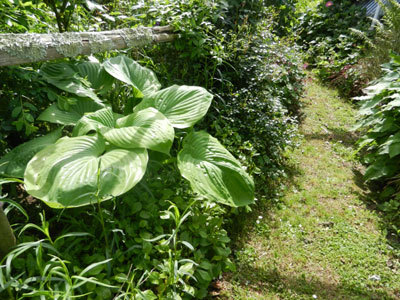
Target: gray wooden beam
18 49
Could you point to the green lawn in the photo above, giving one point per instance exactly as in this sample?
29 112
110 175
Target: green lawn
322 241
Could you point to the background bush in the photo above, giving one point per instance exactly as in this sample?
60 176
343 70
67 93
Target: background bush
379 118
386 38
326 35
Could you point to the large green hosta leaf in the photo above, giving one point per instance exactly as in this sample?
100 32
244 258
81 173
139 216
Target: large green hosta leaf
182 105
95 121
54 114
142 79
147 128
95 73
71 172
213 172
13 164
66 77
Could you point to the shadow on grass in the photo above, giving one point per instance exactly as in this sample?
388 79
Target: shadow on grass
261 280
272 281
369 195
275 191
267 281
347 138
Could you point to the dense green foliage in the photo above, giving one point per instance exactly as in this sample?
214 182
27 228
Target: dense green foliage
326 36
384 40
379 112
159 239
108 152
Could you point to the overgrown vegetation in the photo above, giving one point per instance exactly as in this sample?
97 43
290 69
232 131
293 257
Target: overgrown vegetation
158 240
326 35
379 111
384 40
87 129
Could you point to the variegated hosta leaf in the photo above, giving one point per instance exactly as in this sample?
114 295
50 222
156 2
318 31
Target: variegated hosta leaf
73 171
54 114
13 164
213 172
147 128
182 105
142 79
94 122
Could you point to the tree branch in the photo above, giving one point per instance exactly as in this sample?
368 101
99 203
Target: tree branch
26 48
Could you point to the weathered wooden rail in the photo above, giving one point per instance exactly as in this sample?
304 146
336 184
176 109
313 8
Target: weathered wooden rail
18 49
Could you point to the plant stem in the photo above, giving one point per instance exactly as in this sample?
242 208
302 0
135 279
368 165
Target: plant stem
102 224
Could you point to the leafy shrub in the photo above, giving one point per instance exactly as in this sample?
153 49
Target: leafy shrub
256 78
19 108
261 109
325 34
379 112
386 38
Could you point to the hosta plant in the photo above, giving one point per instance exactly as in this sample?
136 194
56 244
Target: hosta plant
379 123
108 149
379 120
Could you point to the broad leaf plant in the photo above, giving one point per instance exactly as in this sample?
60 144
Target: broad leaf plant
106 153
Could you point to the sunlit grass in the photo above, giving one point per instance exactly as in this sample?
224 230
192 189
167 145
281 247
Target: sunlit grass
321 241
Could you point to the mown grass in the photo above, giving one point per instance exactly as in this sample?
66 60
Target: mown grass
322 240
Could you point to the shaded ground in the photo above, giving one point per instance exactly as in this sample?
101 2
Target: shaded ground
322 241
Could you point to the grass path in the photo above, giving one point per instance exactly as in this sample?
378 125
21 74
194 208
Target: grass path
321 241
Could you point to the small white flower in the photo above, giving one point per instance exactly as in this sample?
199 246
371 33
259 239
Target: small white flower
374 277
260 217
314 296
258 221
